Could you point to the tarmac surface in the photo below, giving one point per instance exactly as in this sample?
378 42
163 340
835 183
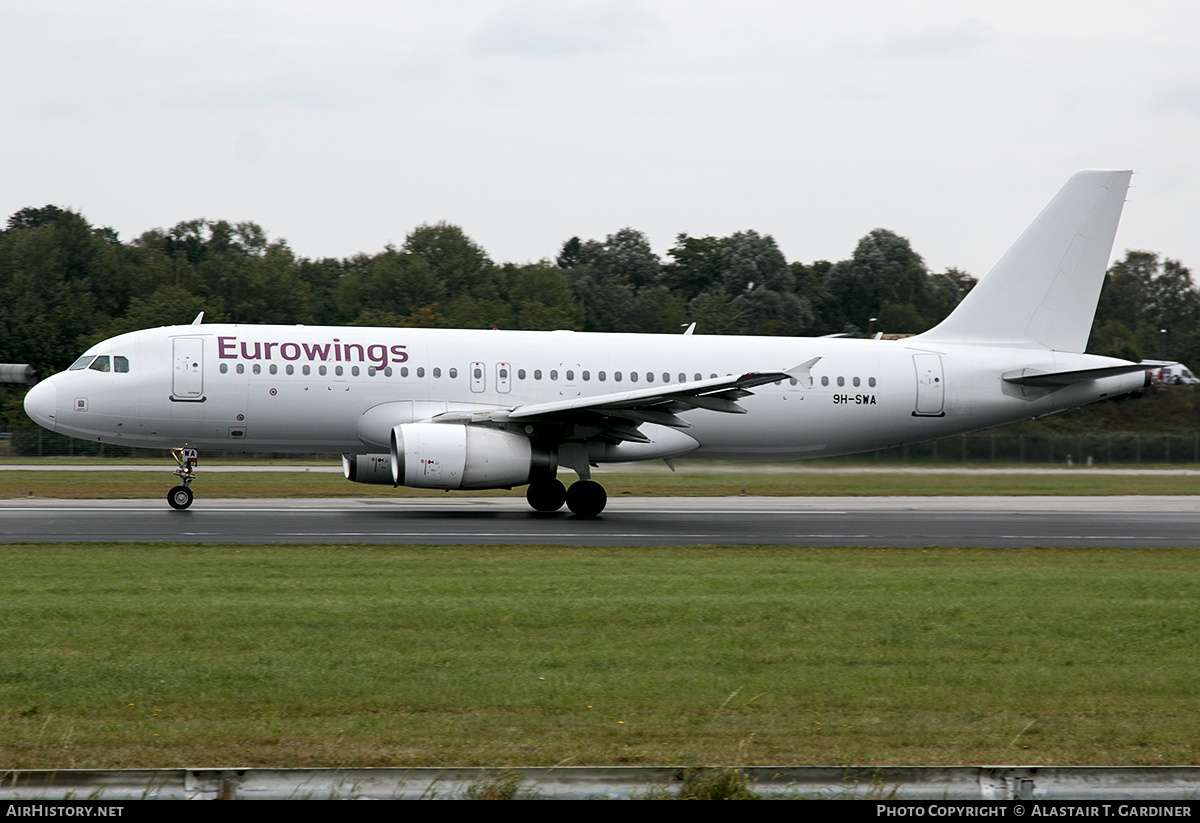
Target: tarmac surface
995 522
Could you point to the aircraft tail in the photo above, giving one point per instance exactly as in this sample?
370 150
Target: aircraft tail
1043 292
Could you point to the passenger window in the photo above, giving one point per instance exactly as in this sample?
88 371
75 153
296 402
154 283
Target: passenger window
370 371
478 373
602 376
337 370
871 382
290 369
100 363
504 374
224 368
698 377
353 371
520 374
667 378
387 372
274 369
537 374
649 377
682 377
403 371
322 370
587 375
841 381
633 377
437 372
120 364
824 381
617 376
554 374
454 373
856 382
420 371
241 368
570 374
306 369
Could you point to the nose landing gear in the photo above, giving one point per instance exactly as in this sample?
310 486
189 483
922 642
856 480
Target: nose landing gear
180 497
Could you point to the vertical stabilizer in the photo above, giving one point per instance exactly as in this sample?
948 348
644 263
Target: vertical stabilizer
1044 290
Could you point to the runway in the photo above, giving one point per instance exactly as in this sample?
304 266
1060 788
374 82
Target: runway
991 522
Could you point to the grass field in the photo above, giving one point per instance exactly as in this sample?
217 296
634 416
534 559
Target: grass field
155 656
684 483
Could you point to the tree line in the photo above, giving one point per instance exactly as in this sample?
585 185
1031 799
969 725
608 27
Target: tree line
66 284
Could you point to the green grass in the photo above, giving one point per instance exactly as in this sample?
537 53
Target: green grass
215 485
157 656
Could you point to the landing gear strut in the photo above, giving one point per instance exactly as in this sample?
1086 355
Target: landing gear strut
180 497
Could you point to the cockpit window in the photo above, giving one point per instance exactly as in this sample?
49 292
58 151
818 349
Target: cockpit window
100 363
81 363
120 364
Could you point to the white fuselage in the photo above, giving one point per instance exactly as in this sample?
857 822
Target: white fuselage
313 389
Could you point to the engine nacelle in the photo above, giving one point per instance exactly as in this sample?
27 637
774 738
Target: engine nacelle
374 469
454 456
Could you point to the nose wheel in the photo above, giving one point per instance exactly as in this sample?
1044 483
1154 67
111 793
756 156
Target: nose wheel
180 497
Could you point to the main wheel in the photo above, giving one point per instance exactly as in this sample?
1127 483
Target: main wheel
546 495
586 498
179 497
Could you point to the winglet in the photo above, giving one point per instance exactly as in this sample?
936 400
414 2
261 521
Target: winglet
802 371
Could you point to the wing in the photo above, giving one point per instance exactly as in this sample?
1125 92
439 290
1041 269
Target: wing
615 417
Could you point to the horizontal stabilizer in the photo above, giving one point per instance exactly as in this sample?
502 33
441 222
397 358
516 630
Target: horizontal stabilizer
1058 379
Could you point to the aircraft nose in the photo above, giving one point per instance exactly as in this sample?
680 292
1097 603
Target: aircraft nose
40 404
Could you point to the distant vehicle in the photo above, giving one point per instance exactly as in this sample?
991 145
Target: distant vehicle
1172 374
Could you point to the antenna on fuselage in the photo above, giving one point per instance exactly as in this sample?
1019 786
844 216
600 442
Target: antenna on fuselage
689 329
199 319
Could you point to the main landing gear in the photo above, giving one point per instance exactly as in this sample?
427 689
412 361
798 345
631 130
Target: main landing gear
585 498
180 497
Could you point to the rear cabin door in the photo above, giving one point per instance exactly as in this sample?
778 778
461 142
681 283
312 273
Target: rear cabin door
931 388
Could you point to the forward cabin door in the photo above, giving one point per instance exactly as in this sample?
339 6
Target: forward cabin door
187 380
931 388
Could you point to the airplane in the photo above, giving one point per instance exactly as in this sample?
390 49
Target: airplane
483 409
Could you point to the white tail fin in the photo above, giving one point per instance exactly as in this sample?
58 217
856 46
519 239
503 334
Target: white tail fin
1043 292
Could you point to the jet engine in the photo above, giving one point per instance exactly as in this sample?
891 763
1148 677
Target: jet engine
453 456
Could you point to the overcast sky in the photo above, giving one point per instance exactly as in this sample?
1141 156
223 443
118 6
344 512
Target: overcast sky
341 126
